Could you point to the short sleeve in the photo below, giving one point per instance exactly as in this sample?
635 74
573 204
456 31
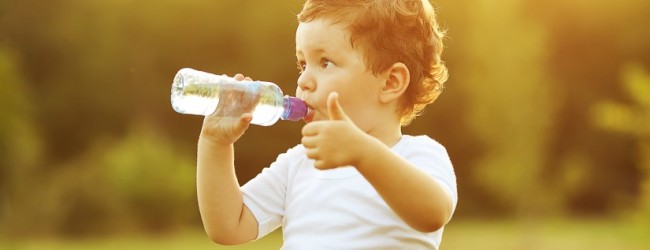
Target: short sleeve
265 194
432 157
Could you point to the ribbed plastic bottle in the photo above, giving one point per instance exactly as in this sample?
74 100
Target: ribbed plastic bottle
200 93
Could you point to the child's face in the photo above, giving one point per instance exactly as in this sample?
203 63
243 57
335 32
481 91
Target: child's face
329 63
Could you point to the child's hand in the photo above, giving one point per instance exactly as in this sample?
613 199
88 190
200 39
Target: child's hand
335 142
226 130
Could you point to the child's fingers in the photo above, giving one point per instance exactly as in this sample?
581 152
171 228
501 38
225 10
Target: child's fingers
313 154
238 77
310 129
244 122
308 141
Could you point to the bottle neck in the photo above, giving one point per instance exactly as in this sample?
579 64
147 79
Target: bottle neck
295 109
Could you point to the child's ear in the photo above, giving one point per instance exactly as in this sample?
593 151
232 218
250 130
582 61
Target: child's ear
397 80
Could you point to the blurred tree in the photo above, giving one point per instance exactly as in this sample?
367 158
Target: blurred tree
20 145
148 181
141 182
588 41
632 119
80 78
71 51
509 103
96 68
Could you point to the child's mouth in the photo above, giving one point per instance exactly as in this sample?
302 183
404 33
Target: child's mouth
310 115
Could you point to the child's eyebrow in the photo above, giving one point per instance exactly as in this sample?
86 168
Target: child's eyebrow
317 51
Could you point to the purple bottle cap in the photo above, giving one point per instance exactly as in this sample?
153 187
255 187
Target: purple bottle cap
294 109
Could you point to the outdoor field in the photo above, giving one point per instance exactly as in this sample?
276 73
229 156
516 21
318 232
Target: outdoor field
544 115
460 235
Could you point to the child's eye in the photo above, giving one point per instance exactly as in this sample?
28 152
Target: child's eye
326 63
301 66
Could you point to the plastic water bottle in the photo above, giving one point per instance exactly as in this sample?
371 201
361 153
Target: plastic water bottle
200 93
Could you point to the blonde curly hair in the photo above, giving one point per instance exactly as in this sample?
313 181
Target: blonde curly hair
390 31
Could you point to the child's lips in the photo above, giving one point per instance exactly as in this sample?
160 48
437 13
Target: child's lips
310 115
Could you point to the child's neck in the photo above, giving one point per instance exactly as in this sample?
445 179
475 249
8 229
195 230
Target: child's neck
389 134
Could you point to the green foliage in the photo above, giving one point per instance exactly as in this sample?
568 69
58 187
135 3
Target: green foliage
20 146
533 115
141 182
508 99
484 235
151 179
633 119
625 118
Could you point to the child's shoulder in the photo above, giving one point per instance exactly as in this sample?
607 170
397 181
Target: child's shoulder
421 140
421 145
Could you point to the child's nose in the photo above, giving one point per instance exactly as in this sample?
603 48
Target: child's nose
305 82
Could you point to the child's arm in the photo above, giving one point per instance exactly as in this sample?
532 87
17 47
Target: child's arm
415 196
225 217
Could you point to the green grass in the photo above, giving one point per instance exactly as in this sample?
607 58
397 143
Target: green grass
185 240
459 235
545 235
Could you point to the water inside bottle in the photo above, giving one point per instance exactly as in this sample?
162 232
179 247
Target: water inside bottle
200 93
196 99
237 99
228 100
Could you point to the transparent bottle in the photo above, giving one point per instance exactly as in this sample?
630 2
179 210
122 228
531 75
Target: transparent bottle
200 93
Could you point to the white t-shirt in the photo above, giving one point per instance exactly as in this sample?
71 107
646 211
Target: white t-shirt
338 208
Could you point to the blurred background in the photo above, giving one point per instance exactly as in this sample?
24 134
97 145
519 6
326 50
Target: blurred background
546 116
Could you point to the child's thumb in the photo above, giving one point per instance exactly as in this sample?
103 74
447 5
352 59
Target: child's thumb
334 108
